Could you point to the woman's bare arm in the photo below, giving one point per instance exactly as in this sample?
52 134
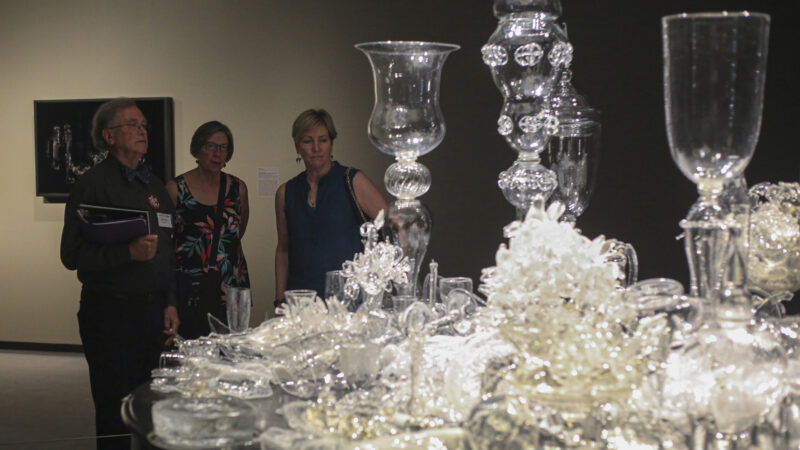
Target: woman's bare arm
282 249
370 200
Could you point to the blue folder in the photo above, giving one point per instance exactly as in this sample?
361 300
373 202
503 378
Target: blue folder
108 225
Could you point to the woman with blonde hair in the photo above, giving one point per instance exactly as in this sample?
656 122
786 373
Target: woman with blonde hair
319 211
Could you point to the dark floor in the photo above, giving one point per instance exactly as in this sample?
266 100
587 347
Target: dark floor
45 402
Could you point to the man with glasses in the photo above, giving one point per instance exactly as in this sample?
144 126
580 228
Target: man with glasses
127 309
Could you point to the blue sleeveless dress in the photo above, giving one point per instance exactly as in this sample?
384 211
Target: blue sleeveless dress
322 237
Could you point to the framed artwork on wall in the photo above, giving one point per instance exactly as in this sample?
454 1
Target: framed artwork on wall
64 149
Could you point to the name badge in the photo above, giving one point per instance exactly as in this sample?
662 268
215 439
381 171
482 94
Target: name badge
164 220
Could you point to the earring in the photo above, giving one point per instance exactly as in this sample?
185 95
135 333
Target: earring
297 160
331 156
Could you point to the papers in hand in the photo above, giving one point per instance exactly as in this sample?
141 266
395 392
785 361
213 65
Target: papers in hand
111 226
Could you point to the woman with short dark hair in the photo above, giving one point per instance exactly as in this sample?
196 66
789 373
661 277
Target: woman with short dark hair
196 194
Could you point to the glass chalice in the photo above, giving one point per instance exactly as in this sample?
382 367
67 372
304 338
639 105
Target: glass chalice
406 123
714 71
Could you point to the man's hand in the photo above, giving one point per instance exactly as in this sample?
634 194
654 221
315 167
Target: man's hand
171 323
144 247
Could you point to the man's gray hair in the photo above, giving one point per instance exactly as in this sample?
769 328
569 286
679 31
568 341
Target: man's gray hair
103 117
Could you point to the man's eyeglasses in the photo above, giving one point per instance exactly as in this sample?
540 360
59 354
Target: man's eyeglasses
133 126
212 147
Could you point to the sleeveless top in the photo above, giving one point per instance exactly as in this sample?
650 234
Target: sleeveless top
321 237
194 234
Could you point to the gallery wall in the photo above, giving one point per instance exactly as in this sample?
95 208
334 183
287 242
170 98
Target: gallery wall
255 65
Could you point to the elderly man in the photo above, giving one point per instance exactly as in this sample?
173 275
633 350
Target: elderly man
127 308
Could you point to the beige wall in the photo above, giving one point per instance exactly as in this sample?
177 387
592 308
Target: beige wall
244 63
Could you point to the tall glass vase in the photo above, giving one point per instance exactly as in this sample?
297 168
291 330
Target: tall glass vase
526 54
406 123
714 71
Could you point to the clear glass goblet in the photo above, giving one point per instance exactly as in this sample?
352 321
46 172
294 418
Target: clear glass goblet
714 71
407 122
334 285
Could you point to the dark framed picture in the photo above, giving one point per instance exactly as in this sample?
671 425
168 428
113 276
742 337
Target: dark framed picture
64 149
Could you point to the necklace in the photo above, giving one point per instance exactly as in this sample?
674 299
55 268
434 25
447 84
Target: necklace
312 195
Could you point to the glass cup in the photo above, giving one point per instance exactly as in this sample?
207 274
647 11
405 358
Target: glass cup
714 74
447 284
625 257
334 285
238 306
401 302
300 298
358 361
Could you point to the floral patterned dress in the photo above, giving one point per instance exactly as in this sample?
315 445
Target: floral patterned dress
194 233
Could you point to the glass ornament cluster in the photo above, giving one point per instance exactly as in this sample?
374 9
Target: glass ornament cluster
773 261
375 269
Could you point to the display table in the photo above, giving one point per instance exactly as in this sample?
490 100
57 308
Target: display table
136 413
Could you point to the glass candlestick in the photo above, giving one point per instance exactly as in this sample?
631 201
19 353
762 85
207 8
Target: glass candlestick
714 71
406 123
526 54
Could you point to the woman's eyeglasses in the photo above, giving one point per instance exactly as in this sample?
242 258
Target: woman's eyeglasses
212 147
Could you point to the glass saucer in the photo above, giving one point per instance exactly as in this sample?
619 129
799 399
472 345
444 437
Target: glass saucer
191 423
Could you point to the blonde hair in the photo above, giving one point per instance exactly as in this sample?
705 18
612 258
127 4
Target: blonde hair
309 119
